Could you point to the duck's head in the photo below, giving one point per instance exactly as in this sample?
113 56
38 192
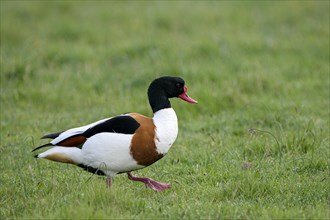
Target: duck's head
163 88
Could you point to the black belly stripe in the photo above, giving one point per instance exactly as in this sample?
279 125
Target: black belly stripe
92 169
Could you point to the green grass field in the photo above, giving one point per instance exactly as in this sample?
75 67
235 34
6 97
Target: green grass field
255 147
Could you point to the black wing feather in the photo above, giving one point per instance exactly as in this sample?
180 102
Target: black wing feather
53 135
123 124
45 145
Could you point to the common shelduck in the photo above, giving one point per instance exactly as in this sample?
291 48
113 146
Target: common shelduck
123 143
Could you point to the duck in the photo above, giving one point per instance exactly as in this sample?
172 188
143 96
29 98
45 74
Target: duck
126 142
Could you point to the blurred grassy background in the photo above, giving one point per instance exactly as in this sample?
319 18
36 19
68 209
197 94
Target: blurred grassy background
259 65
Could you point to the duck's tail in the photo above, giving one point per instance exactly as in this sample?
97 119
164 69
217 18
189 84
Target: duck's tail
71 155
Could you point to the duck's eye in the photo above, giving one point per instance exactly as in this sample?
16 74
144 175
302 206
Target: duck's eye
178 85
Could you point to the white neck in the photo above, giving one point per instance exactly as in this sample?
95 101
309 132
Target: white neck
166 124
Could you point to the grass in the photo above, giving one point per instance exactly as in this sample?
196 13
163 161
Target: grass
255 147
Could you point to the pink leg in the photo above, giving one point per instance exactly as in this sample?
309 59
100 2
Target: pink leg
150 183
109 181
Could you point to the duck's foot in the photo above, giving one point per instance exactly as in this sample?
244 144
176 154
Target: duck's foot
109 181
150 183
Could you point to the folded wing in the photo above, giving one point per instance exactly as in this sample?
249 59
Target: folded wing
76 137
